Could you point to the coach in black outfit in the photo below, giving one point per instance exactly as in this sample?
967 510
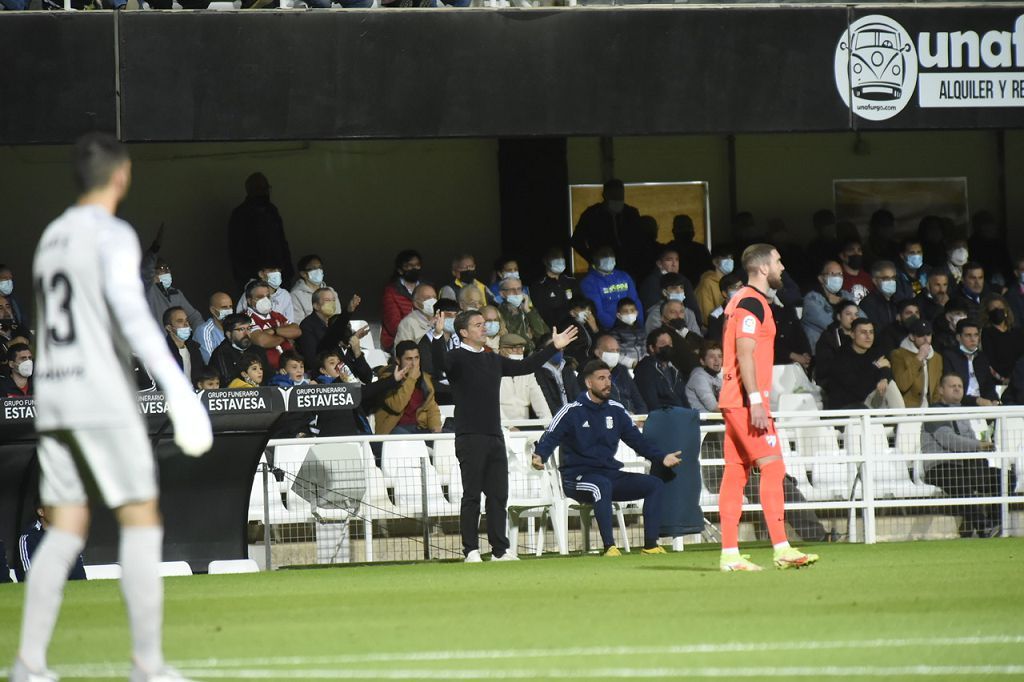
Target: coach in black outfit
475 376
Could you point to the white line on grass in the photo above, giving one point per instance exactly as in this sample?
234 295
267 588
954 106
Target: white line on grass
104 671
605 673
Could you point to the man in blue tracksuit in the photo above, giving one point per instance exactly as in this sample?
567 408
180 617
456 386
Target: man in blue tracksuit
589 430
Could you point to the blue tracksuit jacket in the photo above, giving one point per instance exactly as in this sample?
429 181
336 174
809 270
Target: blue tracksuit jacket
589 435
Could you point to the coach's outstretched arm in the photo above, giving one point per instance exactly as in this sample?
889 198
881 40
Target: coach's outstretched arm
559 340
124 294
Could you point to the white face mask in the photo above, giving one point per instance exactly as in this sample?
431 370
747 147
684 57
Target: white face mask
958 257
514 274
274 279
428 306
557 266
606 264
6 287
223 312
629 319
25 368
610 359
263 305
316 276
165 280
515 356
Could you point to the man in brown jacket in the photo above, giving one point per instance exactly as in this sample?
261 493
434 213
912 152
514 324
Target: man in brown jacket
916 366
410 407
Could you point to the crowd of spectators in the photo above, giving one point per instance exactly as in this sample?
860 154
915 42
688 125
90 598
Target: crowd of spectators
874 322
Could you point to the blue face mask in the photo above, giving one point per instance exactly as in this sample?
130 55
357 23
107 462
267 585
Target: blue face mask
557 266
606 264
888 287
274 279
514 300
833 283
165 280
915 260
726 265
184 333
492 327
449 325
677 296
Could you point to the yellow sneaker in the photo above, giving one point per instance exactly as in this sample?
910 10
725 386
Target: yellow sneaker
654 550
791 557
737 562
612 551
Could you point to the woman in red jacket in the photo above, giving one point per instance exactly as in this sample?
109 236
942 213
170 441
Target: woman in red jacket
396 301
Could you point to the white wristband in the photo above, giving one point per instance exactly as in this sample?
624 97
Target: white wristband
754 398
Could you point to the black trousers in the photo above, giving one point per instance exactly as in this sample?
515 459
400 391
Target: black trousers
969 478
484 470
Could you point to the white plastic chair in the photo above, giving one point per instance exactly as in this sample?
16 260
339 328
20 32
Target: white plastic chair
891 478
401 454
227 566
173 568
103 572
367 342
444 456
530 496
1010 439
829 480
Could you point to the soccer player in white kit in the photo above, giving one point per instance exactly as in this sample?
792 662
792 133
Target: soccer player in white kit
91 315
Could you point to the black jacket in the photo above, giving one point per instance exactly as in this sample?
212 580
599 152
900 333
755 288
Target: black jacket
880 310
549 387
225 357
195 356
660 386
551 297
955 360
853 377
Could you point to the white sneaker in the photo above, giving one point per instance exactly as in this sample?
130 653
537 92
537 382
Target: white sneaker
21 673
474 557
507 556
165 674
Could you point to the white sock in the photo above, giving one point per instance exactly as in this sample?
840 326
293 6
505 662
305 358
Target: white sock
44 593
731 551
781 546
140 551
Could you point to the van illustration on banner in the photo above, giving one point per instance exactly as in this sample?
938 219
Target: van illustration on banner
876 67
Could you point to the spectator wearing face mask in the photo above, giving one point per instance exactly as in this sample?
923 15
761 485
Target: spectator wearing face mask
416 323
210 334
672 289
18 382
856 281
650 288
519 315
10 331
494 327
432 354
629 333
957 257
557 380
505 268
820 302
324 303
660 383
1002 341
555 291
20 314
880 305
709 296
464 275
310 279
890 338
912 274
933 298
183 348
271 330
728 285
972 289
604 285
280 298
158 279
624 391
520 397
611 224
227 355
969 362
580 316
397 299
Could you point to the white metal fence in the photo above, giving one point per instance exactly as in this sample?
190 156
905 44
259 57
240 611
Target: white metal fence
397 498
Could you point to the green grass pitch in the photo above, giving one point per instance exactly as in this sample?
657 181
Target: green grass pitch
926 610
